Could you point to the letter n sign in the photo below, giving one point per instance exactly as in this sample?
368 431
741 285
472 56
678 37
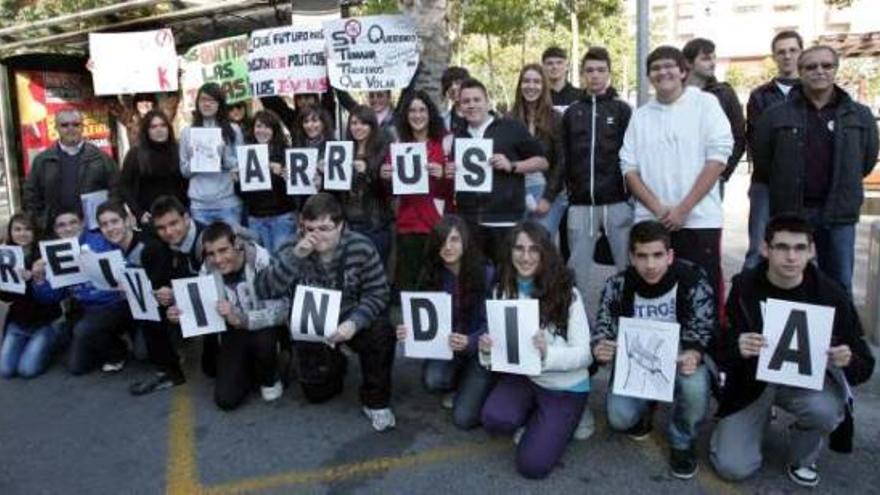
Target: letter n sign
798 337
315 313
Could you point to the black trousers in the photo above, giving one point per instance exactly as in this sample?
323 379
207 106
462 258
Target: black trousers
245 358
703 248
159 339
322 369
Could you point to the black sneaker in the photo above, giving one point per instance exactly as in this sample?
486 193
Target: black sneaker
642 429
806 476
683 463
160 381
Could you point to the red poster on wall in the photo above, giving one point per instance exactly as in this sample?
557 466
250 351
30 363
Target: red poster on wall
41 95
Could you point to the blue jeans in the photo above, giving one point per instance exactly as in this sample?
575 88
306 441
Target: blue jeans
759 215
474 384
835 248
691 403
553 218
26 351
206 216
97 337
273 231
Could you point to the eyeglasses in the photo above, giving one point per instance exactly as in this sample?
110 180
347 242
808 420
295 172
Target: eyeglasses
70 124
321 229
814 66
799 248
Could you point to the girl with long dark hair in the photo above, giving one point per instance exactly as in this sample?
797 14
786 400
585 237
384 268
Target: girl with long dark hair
212 194
419 121
455 265
543 410
152 167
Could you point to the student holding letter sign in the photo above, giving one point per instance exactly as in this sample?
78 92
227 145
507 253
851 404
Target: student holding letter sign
32 334
515 153
543 410
330 256
419 122
744 406
659 287
455 266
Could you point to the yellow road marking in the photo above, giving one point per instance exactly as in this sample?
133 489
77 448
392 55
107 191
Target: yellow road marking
182 476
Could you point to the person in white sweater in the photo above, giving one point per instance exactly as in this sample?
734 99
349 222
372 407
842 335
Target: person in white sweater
675 148
543 410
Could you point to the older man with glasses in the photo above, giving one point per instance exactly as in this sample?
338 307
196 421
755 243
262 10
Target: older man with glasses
66 170
814 150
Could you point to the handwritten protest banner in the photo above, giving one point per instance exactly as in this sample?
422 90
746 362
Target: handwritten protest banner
371 53
116 71
287 60
224 62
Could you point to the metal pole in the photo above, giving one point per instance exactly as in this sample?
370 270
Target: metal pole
643 36
9 144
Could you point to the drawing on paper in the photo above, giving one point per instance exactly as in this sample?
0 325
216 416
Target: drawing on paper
645 361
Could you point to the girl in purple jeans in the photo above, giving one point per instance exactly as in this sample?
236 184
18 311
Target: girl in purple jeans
541 411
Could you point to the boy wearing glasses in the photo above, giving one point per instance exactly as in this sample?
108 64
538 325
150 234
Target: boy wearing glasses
66 170
745 403
814 150
329 256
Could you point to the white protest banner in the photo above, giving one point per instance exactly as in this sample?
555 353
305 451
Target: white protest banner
197 299
409 164
428 317
62 262
315 313
371 53
133 62
302 168
222 61
338 158
287 60
11 259
139 293
90 203
206 144
472 170
798 338
104 270
253 167
513 323
645 360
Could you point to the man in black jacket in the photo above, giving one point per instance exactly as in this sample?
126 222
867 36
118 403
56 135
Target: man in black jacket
555 63
814 150
786 47
699 54
592 134
745 402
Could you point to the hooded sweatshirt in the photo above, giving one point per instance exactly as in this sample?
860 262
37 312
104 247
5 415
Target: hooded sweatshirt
211 189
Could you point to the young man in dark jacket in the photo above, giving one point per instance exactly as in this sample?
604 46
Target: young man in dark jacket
745 402
592 134
814 150
659 287
329 256
786 47
555 63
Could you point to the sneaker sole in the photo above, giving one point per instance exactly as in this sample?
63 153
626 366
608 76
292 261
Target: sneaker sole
683 476
802 482
639 438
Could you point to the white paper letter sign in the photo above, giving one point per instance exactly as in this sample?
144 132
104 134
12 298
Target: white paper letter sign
90 203
139 292
253 167
428 318
798 337
197 298
206 144
11 258
645 361
302 166
62 262
512 325
315 313
409 163
338 156
135 62
104 270
472 170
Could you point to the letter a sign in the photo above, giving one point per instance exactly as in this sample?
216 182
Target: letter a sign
253 167
798 337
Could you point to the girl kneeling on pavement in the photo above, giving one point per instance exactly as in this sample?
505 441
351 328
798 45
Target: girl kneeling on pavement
455 265
541 411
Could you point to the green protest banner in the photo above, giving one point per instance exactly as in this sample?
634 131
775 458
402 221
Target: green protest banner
223 61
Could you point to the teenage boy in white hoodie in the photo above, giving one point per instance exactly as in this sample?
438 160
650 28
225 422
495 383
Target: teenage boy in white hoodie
675 148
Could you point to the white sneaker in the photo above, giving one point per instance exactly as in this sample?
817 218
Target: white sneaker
272 393
517 435
448 401
586 426
113 367
382 419
807 476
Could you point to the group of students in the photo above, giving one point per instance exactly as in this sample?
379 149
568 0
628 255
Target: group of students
577 165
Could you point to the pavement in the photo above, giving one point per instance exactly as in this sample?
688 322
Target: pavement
86 435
